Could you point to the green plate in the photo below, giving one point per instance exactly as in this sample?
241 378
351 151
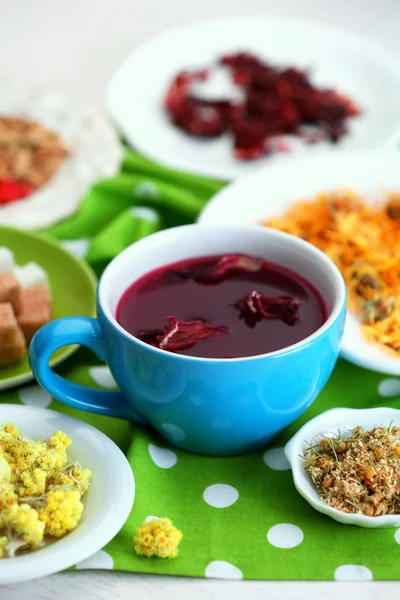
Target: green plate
73 287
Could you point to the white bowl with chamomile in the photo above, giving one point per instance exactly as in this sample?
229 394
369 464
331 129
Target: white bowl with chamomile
107 503
341 421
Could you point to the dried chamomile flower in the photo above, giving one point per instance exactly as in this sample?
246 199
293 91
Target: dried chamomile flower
62 511
157 538
360 473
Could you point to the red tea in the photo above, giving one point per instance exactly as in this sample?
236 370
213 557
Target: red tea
227 306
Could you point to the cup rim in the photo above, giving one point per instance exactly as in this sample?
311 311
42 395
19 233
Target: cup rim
297 243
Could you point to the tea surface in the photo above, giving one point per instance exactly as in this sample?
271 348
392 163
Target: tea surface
178 290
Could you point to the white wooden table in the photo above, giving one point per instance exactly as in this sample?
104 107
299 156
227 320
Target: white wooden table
77 45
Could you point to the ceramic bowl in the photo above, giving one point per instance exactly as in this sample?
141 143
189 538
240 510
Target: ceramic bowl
344 420
107 503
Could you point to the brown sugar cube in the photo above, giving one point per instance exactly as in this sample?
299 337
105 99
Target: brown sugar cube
32 317
13 353
37 294
8 325
10 290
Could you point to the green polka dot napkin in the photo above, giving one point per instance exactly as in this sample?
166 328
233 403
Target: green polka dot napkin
240 517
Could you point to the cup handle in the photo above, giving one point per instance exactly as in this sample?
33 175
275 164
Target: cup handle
87 332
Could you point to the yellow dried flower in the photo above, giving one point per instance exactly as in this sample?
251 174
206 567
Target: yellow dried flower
3 546
9 432
7 495
62 511
52 461
59 441
77 478
38 494
24 454
157 538
25 526
33 483
5 469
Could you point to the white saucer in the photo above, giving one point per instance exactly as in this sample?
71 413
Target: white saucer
107 503
337 59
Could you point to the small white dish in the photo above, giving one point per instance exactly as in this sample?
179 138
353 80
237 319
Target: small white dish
344 420
271 190
337 58
107 503
94 152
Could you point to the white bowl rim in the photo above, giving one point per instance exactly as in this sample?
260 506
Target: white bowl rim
294 450
146 243
34 564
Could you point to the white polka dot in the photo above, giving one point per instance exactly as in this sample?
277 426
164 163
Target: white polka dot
397 536
276 459
147 189
76 247
353 573
173 432
34 395
220 423
389 387
147 519
99 560
145 213
220 495
162 457
220 569
103 376
285 535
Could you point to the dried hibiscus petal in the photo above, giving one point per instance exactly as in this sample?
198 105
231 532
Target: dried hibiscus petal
12 190
181 335
276 102
255 307
225 265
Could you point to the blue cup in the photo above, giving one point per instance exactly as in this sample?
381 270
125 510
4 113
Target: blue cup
217 407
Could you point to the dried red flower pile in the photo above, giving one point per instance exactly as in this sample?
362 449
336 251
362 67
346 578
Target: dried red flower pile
276 102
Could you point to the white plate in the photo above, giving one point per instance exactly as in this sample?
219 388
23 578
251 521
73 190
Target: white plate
337 58
95 152
344 420
107 503
273 189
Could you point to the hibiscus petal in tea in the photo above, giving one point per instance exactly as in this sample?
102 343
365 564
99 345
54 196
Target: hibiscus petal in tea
226 306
